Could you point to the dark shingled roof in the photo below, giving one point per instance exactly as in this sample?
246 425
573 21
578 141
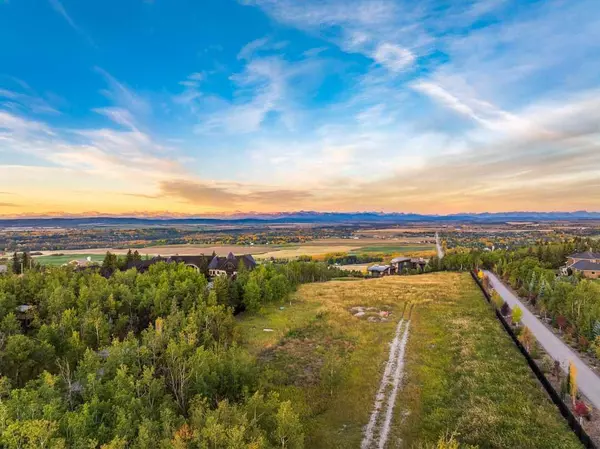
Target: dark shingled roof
143 265
586 255
585 265
198 261
221 263
378 268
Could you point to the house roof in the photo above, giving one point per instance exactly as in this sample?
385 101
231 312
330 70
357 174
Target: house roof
379 268
589 255
400 259
222 263
199 261
143 265
585 265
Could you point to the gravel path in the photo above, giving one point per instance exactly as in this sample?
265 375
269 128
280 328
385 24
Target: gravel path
587 380
377 430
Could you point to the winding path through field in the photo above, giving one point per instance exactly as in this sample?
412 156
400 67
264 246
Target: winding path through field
378 428
588 381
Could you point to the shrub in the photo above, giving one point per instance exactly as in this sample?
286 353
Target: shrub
570 331
564 388
505 309
527 339
596 346
581 410
547 364
584 343
517 315
561 322
497 300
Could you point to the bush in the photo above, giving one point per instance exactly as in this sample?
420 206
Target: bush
497 300
596 346
517 315
546 364
584 343
561 322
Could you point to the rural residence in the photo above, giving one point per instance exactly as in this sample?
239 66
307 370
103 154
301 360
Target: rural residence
587 263
380 270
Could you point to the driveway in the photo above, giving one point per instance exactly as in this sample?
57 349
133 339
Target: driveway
587 380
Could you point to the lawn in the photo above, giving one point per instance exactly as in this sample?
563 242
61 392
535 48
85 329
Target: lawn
62 259
463 374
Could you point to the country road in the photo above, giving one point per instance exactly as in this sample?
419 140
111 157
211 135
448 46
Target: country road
440 251
588 381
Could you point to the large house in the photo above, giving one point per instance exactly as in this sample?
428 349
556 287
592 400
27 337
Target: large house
398 265
230 265
410 263
211 265
587 263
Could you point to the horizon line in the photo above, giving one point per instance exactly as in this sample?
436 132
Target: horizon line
251 214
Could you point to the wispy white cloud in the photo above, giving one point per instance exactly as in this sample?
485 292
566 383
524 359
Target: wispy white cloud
393 57
122 96
267 86
263 44
60 9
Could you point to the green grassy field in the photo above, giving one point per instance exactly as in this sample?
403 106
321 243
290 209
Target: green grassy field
463 374
60 260
391 248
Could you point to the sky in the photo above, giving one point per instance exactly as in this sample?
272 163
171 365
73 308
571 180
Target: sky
181 107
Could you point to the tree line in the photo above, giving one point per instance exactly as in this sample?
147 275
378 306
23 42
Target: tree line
572 303
139 359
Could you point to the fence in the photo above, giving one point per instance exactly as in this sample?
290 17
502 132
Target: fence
564 409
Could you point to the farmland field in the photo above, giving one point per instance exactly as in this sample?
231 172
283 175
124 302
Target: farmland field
66 258
463 374
313 248
393 248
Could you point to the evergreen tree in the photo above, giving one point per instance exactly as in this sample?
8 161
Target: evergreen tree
16 263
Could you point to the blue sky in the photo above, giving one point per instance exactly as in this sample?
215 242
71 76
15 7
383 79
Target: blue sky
186 107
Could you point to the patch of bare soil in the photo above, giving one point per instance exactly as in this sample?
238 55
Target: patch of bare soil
372 314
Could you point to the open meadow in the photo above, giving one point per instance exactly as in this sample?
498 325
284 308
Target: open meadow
326 350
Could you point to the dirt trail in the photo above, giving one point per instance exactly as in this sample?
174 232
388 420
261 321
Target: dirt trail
398 375
377 430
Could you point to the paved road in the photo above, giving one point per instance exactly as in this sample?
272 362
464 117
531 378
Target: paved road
589 382
440 251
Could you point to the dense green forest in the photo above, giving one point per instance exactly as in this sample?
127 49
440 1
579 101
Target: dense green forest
139 360
572 302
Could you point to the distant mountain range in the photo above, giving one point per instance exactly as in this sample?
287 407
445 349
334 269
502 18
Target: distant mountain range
301 217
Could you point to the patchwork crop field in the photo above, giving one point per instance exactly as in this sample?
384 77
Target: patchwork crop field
328 350
314 248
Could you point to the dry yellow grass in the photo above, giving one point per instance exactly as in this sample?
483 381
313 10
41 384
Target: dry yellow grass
463 372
